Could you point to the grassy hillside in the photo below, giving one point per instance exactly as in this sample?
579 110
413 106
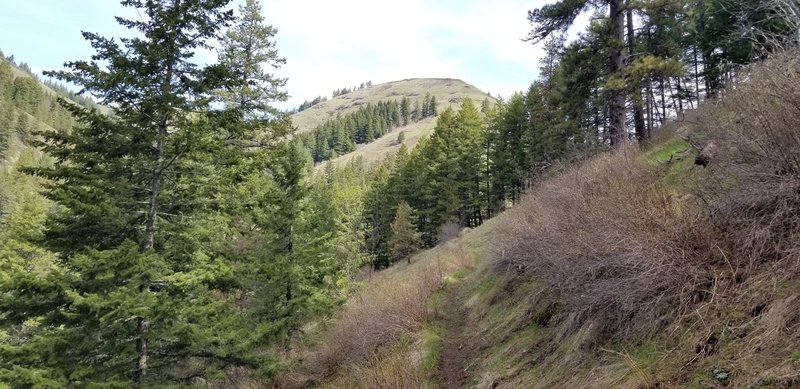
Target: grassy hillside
632 269
377 150
446 91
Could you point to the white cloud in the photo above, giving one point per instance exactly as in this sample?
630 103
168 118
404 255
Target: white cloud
334 44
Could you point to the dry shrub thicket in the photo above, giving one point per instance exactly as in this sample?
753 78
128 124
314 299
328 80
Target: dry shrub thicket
756 199
386 369
610 242
619 248
392 305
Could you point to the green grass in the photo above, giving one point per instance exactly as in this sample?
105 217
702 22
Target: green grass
662 153
675 156
432 338
796 356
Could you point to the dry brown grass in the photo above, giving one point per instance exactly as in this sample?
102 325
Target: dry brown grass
393 304
611 243
395 368
701 263
756 199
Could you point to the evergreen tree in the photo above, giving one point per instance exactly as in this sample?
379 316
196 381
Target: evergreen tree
136 298
379 204
405 110
416 114
27 94
404 238
295 277
246 48
485 106
559 16
432 109
22 126
426 106
471 160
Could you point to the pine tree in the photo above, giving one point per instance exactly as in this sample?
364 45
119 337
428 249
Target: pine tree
485 106
405 110
294 279
559 16
246 48
416 114
470 161
432 109
404 240
135 299
426 106
21 127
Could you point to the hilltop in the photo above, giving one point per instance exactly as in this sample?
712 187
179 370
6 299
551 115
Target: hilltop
337 116
447 91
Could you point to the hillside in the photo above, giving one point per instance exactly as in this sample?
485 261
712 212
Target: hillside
29 105
447 91
377 150
631 220
694 284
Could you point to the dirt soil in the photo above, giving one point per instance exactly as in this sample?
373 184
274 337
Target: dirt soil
458 351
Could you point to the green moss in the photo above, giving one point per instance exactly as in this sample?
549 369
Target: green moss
796 356
662 152
432 338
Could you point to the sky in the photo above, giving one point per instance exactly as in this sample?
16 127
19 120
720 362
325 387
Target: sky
327 44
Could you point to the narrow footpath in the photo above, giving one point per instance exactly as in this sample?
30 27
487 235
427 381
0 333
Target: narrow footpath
457 352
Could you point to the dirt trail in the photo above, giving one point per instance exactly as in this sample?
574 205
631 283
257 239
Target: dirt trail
457 352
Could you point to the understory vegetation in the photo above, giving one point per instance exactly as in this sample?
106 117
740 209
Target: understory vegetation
631 220
685 275
636 268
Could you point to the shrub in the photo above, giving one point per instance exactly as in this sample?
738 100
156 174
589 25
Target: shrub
392 305
756 196
619 248
610 242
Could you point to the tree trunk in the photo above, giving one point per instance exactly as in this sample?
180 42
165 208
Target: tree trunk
677 105
649 92
142 327
143 323
638 114
663 101
617 130
688 91
696 76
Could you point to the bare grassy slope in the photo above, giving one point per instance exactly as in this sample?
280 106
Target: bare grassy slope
446 90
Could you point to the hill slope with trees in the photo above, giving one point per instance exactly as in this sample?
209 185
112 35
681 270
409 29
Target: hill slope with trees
631 219
366 122
446 91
